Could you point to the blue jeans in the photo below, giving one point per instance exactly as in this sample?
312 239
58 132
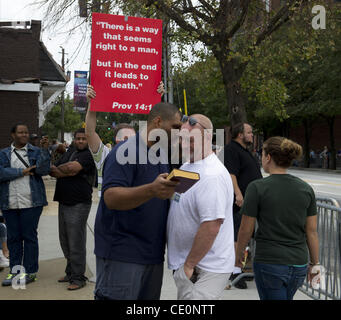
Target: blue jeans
278 282
22 237
116 280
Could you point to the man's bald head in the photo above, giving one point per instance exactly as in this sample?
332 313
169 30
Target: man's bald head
197 143
203 120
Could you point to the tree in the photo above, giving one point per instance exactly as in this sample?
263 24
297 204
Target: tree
230 29
107 121
315 82
204 90
53 124
303 64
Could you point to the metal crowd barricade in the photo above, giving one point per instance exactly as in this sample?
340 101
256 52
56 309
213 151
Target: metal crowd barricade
329 232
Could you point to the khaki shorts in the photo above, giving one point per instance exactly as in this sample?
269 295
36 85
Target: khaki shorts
208 285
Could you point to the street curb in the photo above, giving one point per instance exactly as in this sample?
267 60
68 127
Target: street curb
329 171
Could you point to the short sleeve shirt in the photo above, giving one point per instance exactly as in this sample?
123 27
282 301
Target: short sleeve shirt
240 162
281 204
211 198
99 158
137 235
76 189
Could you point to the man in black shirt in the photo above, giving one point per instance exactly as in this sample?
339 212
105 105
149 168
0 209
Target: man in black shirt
75 173
243 168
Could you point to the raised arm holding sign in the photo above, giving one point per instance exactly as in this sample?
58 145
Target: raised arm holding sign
125 63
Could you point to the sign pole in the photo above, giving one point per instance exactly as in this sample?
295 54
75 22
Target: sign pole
185 102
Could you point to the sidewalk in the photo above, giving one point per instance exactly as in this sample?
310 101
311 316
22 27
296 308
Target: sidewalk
52 264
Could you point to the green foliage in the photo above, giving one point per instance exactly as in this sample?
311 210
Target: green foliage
74 120
288 71
296 73
105 120
204 91
53 123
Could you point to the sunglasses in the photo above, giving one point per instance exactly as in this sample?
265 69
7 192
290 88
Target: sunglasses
192 121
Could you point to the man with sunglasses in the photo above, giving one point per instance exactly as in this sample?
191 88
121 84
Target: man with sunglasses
200 226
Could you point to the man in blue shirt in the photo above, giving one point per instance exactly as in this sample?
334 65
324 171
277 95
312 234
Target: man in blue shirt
130 227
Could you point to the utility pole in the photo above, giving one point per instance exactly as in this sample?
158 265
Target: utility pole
62 100
165 57
169 68
167 64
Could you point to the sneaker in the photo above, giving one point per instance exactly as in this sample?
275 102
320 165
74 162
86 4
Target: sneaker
241 284
8 281
4 262
30 277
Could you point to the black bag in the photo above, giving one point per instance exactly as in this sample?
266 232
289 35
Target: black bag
33 170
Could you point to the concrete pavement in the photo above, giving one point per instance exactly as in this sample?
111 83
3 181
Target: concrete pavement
52 264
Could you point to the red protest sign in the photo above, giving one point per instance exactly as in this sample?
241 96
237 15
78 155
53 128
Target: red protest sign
126 56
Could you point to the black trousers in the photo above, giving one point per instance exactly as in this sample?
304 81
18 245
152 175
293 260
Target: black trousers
117 280
72 238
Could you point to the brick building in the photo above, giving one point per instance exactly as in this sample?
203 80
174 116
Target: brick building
30 80
319 135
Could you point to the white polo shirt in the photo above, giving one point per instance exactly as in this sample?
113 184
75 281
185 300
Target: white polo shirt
209 199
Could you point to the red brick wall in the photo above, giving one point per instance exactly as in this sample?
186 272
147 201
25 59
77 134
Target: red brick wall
320 135
17 106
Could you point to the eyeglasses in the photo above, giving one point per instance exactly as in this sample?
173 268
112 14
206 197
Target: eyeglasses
192 121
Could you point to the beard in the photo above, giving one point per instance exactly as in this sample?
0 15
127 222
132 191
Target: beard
247 143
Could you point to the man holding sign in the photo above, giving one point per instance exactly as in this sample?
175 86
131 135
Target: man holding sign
130 227
98 150
126 64
131 219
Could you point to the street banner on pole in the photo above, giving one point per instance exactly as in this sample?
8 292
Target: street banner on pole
126 54
79 90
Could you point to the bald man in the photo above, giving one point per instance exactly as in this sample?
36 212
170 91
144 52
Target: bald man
200 225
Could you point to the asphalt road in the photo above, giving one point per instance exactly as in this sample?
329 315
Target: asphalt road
325 184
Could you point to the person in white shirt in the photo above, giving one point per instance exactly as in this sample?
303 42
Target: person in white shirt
200 227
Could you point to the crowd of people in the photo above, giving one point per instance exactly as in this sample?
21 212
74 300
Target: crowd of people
322 159
205 229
